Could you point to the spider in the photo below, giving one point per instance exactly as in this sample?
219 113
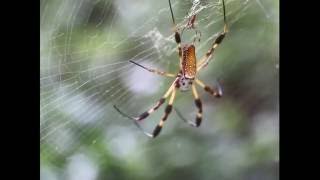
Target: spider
183 80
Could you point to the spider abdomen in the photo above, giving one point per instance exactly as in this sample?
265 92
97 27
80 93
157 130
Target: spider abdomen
188 63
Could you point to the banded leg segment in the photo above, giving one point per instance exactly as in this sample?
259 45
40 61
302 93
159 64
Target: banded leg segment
167 112
177 36
216 92
158 104
206 58
198 105
171 91
156 71
204 61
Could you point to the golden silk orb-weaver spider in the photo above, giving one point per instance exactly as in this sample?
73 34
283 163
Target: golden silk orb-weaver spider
184 79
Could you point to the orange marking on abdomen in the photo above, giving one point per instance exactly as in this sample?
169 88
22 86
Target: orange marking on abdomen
188 64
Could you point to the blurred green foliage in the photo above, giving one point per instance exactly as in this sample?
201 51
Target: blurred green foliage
85 48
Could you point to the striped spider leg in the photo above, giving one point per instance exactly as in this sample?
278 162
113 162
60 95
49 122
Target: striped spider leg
171 91
206 58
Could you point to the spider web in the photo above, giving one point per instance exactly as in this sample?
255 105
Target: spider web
85 50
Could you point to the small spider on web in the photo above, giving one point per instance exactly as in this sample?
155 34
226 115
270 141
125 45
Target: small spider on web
184 79
190 25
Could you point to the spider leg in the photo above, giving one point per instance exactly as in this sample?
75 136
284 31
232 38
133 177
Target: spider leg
197 32
196 36
216 92
177 36
158 104
153 109
198 104
144 115
156 71
132 118
167 111
206 58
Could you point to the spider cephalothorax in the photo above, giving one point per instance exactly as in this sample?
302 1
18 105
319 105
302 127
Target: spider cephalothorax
184 79
183 83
